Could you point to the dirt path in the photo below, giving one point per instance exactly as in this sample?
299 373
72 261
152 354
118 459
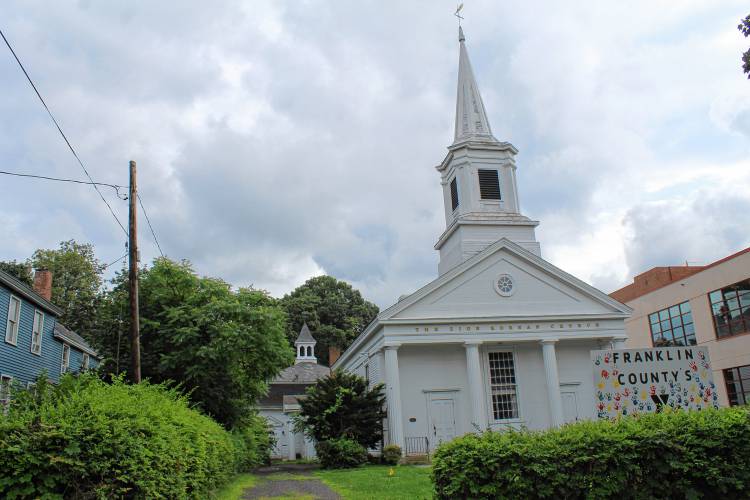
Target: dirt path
289 480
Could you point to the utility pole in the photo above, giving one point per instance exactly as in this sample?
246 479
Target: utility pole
135 341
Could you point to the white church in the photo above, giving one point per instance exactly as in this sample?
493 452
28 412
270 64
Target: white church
502 337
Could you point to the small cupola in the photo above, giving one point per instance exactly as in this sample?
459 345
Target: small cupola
305 346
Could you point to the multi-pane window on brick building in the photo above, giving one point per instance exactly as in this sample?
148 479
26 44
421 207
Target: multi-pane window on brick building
673 326
738 385
731 309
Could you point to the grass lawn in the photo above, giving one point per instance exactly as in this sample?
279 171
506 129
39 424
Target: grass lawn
374 482
234 488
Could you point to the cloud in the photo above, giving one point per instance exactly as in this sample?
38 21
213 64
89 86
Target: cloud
279 140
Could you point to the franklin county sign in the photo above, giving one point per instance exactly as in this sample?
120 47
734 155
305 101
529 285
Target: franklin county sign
631 381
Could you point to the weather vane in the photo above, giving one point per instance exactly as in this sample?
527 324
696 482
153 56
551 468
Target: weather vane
458 13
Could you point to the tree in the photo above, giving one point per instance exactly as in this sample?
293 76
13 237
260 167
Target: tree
19 270
220 345
744 28
342 406
76 283
335 312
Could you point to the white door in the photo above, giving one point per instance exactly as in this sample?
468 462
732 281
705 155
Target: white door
280 450
570 406
443 420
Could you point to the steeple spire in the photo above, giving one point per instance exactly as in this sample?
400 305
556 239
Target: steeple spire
471 117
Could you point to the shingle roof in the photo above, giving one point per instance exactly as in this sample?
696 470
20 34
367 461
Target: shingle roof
278 394
305 335
28 293
302 373
72 338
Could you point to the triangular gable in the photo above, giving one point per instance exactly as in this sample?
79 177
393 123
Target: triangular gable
539 289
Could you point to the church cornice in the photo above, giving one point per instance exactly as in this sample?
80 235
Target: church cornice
484 219
475 145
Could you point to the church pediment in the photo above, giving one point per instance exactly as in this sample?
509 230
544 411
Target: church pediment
504 280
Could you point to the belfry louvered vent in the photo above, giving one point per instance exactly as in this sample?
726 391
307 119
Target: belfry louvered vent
454 194
489 185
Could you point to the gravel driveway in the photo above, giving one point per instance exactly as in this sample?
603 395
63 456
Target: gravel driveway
289 480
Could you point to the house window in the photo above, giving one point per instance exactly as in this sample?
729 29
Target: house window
36 333
454 194
672 326
731 309
85 362
738 385
503 385
65 358
5 386
14 315
489 184
367 374
309 351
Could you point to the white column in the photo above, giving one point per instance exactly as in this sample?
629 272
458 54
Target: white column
393 395
619 342
476 387
290 440
553 381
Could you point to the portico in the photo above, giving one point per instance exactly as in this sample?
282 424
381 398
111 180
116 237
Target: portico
493 380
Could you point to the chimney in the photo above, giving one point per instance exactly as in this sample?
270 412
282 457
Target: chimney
43 283
334 353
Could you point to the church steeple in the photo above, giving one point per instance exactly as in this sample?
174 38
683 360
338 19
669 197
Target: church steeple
471 117
305 346
479 180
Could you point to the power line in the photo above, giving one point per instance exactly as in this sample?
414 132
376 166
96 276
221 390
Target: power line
70 146
115 261
76 181
140 202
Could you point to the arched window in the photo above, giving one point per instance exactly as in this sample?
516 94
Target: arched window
309 351
301 351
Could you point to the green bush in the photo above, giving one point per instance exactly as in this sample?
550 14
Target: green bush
87 439
342 405
341 453
253 442
391 454
702 454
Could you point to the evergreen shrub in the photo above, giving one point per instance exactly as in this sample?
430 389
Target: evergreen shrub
675 454
87 439
391 454
340 453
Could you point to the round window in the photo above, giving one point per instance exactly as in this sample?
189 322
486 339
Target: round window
504 285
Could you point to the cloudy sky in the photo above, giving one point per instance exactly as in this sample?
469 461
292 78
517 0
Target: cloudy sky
280 140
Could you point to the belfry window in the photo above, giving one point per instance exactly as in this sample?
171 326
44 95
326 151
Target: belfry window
489 184
454 194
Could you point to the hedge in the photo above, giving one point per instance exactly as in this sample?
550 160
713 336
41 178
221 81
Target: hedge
675 454
340 453
88 439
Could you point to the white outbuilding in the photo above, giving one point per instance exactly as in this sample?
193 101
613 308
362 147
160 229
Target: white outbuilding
501 337
281 403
